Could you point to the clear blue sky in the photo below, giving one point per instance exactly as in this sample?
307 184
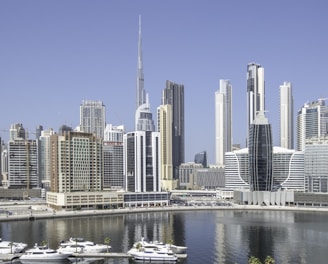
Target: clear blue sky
54 54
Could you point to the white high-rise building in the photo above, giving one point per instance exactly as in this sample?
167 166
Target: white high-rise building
93 117
142 161
45 174
312 122
255 92
286 116
223 121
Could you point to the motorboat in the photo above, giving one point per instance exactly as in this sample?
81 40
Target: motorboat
9 247
42 254
156 244
153 254
80 245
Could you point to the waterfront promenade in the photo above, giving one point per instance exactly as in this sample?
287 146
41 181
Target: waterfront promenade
26 212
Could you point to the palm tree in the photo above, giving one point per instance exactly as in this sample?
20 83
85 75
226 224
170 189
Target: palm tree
107 241
139 246
269 260
170 242
254 260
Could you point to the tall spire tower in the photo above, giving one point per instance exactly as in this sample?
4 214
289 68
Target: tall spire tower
141 94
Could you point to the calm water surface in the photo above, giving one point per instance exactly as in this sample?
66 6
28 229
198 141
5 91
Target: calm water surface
211 236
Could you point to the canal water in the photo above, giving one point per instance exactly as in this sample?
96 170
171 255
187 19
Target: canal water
222 236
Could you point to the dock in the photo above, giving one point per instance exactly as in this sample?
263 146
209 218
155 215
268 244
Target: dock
102 255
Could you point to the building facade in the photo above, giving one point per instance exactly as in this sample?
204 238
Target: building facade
168 183
255 92
76 162
287 169
223 121
45 174
23 164
173 94
93 117
260 154
286 116
312 122
113 177
142 161
316 164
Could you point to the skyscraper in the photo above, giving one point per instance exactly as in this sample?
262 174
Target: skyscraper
223 121
45 157
255 92
93 117
260 154
312 122
142 147
173 94
286 116
143 116
165 128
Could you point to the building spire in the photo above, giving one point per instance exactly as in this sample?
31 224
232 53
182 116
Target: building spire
141 98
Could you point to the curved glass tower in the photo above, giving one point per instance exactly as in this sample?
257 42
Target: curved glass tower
260 154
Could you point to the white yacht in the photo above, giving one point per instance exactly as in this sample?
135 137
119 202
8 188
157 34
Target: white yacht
176 249
153 254
42 254
80 245
9 247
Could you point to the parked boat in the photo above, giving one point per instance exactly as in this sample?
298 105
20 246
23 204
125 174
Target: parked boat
80 245
9 247
153 254
176 249
42 254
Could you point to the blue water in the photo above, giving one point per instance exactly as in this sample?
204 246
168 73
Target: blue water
211 236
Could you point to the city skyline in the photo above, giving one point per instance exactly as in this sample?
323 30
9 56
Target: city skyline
60 53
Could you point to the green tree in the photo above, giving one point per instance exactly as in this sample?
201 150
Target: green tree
107 241
269 260
254 260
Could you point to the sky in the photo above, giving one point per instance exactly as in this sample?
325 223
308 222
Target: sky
56 53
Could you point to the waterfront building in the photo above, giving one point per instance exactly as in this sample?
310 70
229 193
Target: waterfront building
209 178
201 158
93 117
286 116
76 162
173 94
237 169
113 178
255 92
142 161
45 174
312 122
23 163
168 183
85 200
316 164
223 121
260 154
187 174
287 169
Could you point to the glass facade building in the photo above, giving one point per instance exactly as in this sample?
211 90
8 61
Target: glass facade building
260 154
